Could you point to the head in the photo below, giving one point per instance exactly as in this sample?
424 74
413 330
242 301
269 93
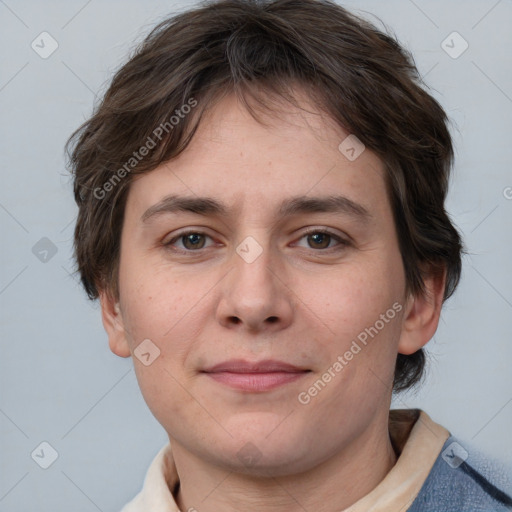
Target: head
315 166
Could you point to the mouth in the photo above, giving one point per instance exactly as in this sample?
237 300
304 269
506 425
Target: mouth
255 377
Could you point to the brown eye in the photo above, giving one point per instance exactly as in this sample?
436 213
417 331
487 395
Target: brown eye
322 240
193 241
190 241
319 240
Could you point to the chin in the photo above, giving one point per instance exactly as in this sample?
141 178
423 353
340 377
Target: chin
259 453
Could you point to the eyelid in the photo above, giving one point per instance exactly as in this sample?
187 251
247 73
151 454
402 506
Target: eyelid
328 231
343 240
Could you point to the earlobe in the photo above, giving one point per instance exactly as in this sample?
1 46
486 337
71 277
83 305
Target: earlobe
421 316
112 319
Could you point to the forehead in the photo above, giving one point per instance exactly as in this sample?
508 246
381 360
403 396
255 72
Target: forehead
248 164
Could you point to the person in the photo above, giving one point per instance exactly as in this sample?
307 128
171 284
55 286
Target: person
261 213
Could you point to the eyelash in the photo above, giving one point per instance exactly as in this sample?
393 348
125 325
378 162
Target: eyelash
342 243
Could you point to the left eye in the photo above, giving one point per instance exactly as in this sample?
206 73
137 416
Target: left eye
322 239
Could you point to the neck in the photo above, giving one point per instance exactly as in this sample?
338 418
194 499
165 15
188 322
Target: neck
331 486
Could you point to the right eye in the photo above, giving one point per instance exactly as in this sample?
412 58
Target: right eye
192 241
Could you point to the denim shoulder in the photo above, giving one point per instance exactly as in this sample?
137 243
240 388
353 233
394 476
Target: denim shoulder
465 480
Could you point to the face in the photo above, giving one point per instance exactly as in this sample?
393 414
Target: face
262 272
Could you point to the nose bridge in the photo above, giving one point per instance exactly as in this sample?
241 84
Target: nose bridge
252 262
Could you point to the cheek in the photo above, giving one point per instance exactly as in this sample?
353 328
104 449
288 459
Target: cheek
354 298
154 300
153 311
363 311
170 311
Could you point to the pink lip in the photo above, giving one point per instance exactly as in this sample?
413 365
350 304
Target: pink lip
256 377
243 366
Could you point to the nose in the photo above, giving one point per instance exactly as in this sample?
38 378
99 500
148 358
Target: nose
255 295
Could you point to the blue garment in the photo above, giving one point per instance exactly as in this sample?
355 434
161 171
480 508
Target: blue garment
464 480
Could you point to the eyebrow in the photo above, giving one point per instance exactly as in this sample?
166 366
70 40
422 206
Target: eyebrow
293 206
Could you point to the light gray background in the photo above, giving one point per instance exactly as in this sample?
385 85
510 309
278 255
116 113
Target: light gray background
59 381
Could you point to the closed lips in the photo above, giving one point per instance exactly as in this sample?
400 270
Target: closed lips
242 366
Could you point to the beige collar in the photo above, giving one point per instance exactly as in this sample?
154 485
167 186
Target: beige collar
413 434
418 451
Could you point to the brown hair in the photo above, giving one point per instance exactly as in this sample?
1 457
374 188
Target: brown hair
361 77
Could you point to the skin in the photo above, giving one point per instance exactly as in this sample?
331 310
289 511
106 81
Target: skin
297 302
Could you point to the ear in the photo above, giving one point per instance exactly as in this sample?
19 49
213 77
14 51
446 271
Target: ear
421 316
113 323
